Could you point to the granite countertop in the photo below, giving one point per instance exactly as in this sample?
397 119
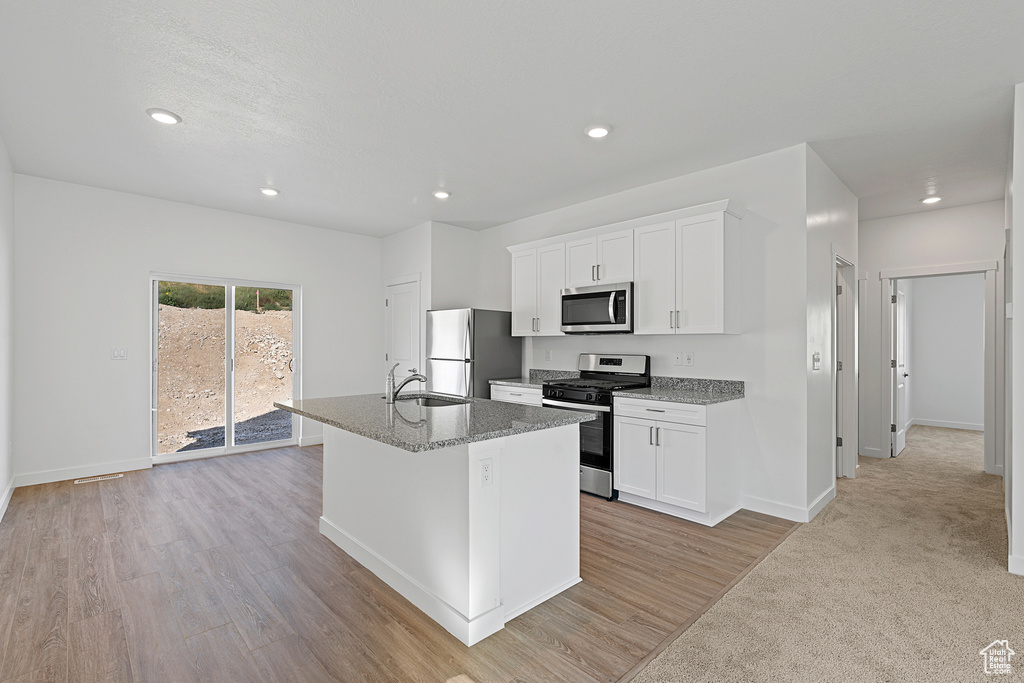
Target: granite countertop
688 390
672 389
521 382
414 428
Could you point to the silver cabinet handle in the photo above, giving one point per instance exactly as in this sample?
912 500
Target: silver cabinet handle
598 272
657 436
513 394
652 435
654 410
593 273
670 325
677 320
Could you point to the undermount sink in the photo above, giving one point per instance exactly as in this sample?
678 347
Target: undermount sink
431 401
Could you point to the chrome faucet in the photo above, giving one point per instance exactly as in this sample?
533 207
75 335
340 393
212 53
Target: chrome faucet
390 390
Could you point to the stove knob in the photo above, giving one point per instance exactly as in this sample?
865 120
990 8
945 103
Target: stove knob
590 398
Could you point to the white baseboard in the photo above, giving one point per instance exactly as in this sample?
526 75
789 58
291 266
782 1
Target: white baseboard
674 510
1016 564
948 425
7 498
469 631
819 504
791 512
311 440
873 452
98 469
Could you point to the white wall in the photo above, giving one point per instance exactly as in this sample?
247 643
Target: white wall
770 355
83 261
938 237
6 329
831 232
454 253
947 348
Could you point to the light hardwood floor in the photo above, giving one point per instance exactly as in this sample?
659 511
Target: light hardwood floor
214 570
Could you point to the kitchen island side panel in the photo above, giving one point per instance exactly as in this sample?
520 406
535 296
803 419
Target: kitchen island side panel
540 517
411 510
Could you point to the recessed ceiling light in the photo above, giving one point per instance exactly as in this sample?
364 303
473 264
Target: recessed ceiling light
442 194
270 191
598 132
164 116
931 200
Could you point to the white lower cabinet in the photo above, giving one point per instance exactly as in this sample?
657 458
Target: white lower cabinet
677 458
526 395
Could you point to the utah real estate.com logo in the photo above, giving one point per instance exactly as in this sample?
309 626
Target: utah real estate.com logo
997 657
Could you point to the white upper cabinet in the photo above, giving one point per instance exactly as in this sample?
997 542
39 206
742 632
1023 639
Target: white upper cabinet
538 277
601 259
684 266
524 293
654 279
687 276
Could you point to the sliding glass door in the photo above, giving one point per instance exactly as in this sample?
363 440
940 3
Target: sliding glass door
223 353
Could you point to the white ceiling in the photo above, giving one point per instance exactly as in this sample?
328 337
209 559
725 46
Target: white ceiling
359 110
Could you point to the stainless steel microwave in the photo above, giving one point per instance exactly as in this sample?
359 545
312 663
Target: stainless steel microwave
601 309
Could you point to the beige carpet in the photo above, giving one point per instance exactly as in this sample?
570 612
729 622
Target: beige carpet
901 578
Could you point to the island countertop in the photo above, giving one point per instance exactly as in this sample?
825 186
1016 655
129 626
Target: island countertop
416 428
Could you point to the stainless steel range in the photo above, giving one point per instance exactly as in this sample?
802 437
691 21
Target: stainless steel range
600 375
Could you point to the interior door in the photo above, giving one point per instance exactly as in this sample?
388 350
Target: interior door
900 380
402 306
839 334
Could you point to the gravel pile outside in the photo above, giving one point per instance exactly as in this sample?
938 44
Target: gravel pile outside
190 389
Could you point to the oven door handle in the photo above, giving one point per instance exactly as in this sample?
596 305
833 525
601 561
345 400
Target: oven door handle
576 406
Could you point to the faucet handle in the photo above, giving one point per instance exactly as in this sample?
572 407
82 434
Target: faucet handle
412 371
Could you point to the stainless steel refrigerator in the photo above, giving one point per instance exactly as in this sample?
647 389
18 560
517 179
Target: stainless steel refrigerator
468 347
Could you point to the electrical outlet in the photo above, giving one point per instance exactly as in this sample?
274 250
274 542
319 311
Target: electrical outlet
678 358
688 359
486 472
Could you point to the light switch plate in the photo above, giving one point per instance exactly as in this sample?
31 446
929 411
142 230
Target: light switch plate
678 358
118 353
549 355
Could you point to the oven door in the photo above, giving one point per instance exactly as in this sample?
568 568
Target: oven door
595 436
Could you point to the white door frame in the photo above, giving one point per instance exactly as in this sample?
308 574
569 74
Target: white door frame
993 331
229 354
846 353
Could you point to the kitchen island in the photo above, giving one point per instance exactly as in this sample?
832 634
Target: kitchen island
469 510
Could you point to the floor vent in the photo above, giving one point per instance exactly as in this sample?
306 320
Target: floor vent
103 478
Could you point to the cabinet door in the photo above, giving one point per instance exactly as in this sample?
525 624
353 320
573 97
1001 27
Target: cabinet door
636 463
524 292
550 283
682 465
701 294
615 257
580 262
654 279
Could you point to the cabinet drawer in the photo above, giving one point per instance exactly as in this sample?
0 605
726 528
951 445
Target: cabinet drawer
663 411
528 395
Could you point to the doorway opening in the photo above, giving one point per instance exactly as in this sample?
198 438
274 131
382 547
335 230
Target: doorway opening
940 327
223 352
